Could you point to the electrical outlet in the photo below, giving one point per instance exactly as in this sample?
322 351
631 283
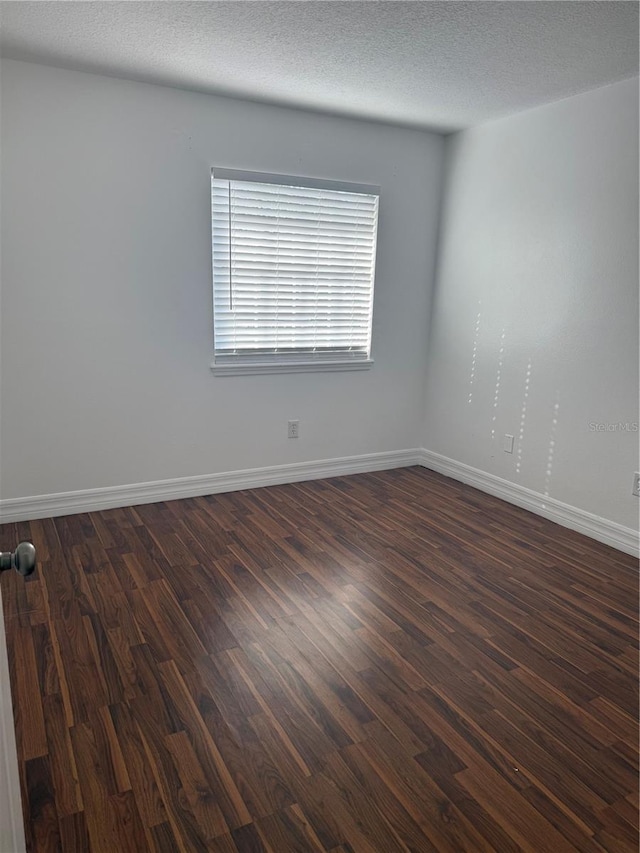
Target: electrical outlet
636 484
507 443
293 429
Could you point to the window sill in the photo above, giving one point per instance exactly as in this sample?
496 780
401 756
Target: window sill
292 367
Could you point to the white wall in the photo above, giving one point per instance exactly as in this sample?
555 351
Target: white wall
106 291
106 285
539 243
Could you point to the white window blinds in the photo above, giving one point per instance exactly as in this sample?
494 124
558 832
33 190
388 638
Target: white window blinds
293 270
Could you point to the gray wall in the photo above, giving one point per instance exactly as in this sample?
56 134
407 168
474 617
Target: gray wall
106 273
535 316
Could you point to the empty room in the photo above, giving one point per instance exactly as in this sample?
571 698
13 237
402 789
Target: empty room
319 406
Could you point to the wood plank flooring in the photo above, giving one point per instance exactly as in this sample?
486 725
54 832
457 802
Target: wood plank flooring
384 662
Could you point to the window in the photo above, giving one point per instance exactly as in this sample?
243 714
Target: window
293 271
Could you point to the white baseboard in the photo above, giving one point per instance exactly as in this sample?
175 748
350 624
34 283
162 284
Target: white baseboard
67 503
87 500
620 537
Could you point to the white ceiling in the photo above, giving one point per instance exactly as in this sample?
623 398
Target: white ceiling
442 65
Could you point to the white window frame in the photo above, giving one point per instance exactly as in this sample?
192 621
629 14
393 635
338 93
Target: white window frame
295 362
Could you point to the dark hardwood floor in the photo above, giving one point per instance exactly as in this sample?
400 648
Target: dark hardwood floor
384 662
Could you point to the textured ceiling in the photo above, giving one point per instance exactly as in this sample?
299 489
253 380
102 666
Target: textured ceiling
442 65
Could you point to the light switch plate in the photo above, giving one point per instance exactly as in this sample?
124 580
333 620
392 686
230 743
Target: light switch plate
507 443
